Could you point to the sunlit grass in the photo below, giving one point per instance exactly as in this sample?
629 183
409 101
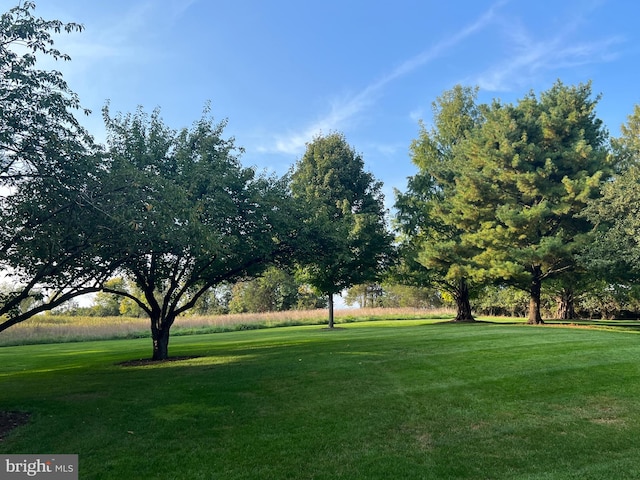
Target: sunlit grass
410 399
58 328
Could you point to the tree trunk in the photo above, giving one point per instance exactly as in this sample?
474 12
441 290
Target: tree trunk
331 310
566 309
461 296
534 302
160 337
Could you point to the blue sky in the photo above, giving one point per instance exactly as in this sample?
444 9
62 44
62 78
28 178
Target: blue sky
282 71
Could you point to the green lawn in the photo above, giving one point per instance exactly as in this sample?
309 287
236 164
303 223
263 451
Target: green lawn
379 400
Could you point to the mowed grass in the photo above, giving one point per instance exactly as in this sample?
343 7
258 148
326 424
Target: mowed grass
381 400
65 328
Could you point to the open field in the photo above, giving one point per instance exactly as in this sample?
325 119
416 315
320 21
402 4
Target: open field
409 399
61 328
54 328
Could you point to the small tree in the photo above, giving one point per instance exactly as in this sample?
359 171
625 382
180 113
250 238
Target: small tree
369 295
108 304
348 241
275 290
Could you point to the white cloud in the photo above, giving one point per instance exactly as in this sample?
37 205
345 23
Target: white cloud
101 40
123 36
533 57
181 6
344 111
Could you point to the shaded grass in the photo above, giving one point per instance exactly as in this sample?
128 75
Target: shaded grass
404 399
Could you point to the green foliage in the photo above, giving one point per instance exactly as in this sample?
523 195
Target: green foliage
626 148
214 301
528 171
608 301
48 175
369 295
422 210
504 194
501 301
112 305
192 218
37 121
348 241
108 304
525 174
431 249
389 295
615 250
274 291
8 292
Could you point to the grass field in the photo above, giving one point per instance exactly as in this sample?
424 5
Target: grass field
61 328
404 399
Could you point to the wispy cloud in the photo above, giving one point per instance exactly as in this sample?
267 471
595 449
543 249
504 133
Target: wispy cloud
533 57
347 109
104 38
180 7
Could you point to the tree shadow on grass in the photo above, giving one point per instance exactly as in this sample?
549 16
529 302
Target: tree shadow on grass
147 361
10 421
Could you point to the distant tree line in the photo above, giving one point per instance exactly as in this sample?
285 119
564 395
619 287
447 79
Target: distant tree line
526 208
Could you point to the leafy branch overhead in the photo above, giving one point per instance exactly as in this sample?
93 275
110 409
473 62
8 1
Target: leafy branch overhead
46 165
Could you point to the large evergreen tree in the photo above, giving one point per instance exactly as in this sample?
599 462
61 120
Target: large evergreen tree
348 241
615 251
431 246
526 172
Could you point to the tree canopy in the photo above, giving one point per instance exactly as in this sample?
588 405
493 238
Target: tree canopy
47 175
431 246
191 216
348 240
615 250
38 128
525 174
506 195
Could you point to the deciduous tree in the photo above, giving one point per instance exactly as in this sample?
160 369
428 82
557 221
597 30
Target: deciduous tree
194 216
37 122
348 240
274 290
48 175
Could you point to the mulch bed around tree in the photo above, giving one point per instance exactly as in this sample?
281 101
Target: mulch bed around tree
11 420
